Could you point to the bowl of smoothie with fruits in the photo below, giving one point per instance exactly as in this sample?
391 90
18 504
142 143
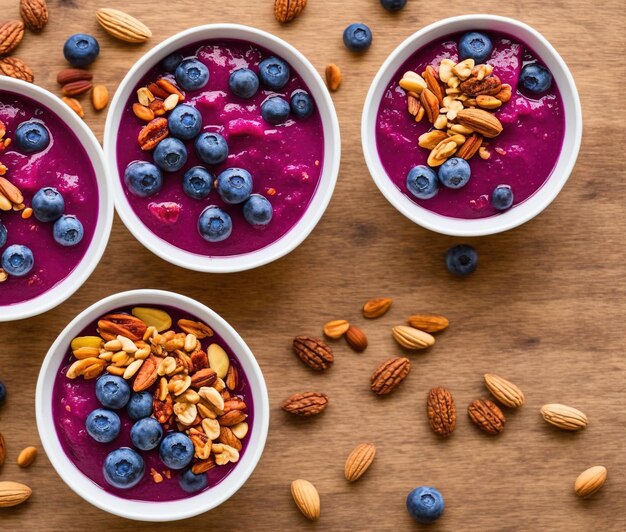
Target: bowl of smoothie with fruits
472 126
223 146
150 406
55 211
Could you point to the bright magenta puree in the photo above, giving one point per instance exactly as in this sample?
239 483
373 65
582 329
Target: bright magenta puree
285 160
523 156
64 165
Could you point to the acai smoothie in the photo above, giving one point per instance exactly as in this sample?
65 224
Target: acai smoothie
152 405
471 125
48 199
231 164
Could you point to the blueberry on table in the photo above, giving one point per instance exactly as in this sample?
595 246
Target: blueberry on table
3 393
357 37
143 179
425 504
103 425
502 197
275 110
274 73
68 230
535 78
146 434
190 482
243 83
302 104
81 50
234 185
422 182
257 210
17 260
176 450
139 405
171 62
112 391
3 234
455 173
461 260
31 137
214 225
184 122
476 46
198 182
192 75
123 468
393 5
211 148
47 204
170 154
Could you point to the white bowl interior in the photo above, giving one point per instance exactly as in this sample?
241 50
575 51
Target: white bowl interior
64 289
520 213
142 510
332 149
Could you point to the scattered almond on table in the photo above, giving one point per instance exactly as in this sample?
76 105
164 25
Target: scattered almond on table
13 493
27 456
123 26
307 498
359 461
590 481
333 76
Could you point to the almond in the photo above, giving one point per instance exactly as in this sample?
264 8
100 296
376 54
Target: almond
480 121
389 375
34 13
11 34
76 87
488 102
122 26
142 112
470 147
74 105
10 191
356 338
359 461
27 456
504 391
431 139
412 338
305 404
487 416
441 411
69 75
375 308
430 103
99 97
234 417
432 81
228 437
590 481
442 152
287 10
13 493
336 329
412 81
430 323
333 76
564 417
147 375
307 498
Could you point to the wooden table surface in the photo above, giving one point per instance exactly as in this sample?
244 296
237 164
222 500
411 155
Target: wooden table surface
545 308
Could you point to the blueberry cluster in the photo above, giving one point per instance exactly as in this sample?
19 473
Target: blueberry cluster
124 467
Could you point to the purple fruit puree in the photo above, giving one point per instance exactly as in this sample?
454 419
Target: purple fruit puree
532 137
285 161
73 400
65 165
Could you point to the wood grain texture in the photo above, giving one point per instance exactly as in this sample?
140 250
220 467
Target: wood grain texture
545 308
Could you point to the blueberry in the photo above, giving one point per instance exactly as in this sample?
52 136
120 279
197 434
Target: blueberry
425 504
275 110
257 210
535 78
198 182
274 73
31 137
3 234
422 182
357 37
192 75
48 204
3 393
139 405
302 104
17 260
234 185
243 83
476 46
455 173
393 5
68 230
112 391
143 179
211 148
190 482
176 450
214 225
81 50
461 260
170 154
172 61
123 468
103 425
184 122
146 434
502 197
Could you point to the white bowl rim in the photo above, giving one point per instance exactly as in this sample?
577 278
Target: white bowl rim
145 510
457 226
297 233
65 288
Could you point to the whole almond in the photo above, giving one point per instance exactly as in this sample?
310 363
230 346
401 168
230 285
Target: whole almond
11 34
74 105
3 450
99 97
430 323
336 329
76 87
432 80
306 404
122 26
504 391
313 352
307 498
430 103
590 481
375 308
470 147
333 76
389 375
487 416
441 411
359 461
13 493
412 338
287 10
564 417
480 121
69 75
34 13
356 338
27 456
16 68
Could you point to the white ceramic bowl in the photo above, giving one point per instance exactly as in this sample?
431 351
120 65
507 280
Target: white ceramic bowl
63 290
126 507
332 150
518 214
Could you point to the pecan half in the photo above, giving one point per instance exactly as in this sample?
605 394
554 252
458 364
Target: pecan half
305 404
232 418
313 352
389 375
487 416
232 378
441 411
147 374
199 360
113 325
162 409
204 377
473 86
202 466
153 133
199 329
